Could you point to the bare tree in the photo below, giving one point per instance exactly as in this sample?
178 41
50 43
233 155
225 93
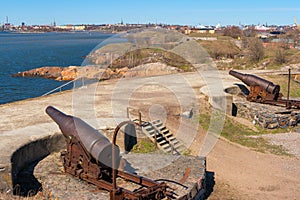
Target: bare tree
255 48
280 55
233 31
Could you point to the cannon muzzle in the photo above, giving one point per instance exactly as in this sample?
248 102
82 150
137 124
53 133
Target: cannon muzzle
252 80
92 140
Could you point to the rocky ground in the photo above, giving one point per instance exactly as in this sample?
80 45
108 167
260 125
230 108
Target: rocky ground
290 141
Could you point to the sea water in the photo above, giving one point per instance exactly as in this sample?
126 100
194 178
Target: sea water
25 51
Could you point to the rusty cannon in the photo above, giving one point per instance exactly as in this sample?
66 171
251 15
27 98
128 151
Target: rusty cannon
264 91
90 156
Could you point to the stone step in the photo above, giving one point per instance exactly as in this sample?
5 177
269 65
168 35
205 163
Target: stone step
163 142
160 124
152 132
178 145
163 128
159 139
166 146
156 122
162 136
168 150
168 135
175 142
149 128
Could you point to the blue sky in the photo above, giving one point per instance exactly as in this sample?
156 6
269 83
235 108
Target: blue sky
189 12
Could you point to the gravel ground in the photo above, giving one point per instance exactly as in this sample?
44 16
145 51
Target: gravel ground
290 141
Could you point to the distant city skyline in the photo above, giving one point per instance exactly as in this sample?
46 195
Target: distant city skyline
181 12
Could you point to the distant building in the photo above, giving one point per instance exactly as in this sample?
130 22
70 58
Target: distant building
262 28
7 26
71 27
277 42
201 29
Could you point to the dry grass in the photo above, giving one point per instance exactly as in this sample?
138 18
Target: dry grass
151 55
282 80
221 48
225 48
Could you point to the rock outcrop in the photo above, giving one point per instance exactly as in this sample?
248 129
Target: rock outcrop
56 73
92 72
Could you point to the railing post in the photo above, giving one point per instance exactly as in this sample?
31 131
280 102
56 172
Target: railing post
288 105
128 113
140 118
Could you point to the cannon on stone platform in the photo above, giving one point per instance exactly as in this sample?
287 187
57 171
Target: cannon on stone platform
92 157
260 89
264 91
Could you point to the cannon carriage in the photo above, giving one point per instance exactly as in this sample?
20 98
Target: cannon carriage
92 157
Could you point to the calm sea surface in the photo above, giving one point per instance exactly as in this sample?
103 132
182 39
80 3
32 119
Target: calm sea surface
20 52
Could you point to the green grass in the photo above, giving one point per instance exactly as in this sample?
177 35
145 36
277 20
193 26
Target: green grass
144 146
238 133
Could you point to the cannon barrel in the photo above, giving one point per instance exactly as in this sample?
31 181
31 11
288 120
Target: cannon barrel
252 80
92 140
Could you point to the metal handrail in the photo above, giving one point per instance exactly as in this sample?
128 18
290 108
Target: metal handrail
60 87
139 114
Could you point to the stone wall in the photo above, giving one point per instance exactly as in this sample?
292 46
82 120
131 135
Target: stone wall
267 116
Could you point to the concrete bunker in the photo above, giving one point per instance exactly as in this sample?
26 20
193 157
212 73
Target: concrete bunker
24 160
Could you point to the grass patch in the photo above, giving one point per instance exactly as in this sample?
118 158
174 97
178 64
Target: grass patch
144 146
187 152
239 133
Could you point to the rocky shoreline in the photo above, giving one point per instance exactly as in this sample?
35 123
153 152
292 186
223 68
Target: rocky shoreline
91 72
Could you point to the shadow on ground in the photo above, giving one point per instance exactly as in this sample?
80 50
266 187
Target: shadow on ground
210 183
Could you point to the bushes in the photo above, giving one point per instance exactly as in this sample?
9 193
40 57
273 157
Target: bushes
233 31
255 48
228 49
251 53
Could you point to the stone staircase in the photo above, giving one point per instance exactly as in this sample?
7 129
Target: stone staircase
158 133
